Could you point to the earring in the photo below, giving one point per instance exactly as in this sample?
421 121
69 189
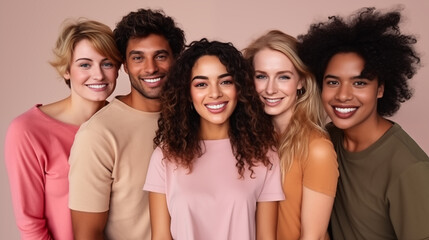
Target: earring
300 91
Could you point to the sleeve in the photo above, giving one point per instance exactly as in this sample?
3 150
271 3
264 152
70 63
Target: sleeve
26 179
155 178
320 170
409 203
272 189
92 159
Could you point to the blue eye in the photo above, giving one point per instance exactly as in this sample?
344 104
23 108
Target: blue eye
84 65
260 76
284 77
107 65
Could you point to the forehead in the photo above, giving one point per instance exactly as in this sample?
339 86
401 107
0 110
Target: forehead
206 65
269 59
149 44
345 63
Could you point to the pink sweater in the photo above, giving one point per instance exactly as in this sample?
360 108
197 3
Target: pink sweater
37 148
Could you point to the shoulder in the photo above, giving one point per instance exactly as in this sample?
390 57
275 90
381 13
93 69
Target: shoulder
321 152
29 121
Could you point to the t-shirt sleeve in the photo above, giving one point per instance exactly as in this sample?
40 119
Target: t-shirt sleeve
26 181
272 189
409 203
320 170
155 178
91 161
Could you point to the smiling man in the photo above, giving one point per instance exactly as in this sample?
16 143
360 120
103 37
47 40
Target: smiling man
363 65
110 155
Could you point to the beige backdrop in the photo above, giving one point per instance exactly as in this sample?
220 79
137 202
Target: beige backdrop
28 30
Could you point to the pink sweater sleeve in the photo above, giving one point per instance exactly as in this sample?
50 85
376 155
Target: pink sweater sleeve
26 178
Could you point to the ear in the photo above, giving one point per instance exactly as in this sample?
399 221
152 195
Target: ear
380 91
125 67
300 84
66 75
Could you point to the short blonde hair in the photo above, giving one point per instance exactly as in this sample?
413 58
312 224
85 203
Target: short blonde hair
73 31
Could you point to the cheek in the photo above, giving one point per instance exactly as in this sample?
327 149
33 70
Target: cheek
259 86
326 95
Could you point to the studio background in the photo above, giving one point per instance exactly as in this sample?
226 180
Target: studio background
28 31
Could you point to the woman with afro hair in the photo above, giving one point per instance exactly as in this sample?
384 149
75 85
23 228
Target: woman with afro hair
214 174
362 65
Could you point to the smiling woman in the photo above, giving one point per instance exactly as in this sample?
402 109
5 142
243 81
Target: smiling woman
38 142
217 160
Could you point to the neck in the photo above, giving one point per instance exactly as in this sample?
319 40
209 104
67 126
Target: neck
214 132
141 103
73 111
359 139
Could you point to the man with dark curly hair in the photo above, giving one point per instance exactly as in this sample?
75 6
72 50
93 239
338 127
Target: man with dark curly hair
363 65
110 155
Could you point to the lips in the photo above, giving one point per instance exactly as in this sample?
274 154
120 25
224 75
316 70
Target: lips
152 80
344 112
99 86
272 101
216 107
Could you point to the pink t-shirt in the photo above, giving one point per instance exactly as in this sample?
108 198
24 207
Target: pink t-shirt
212 202
37 148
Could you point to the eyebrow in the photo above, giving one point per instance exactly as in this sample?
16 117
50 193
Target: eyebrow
280 72
141 52
206 78
89 59
336 77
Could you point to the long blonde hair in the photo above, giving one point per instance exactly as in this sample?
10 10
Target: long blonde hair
308 117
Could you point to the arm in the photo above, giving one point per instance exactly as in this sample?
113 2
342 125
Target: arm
315 214
90 184
320 182
266 220
159 216
89 226
26 180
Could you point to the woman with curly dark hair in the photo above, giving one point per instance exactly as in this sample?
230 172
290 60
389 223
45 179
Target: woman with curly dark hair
362 65
213 175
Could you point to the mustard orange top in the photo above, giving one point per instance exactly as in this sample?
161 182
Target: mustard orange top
319 172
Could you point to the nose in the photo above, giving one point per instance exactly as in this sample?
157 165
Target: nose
271 87
150 66
98 73
344 93
215 92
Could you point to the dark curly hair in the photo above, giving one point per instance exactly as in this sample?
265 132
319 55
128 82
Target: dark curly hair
145 22
389 55
251 132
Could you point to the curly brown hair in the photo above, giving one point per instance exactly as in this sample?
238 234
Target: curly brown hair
251 132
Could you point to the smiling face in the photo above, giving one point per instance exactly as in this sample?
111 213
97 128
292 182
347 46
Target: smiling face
349 98
147 63
213 93
92 76
277 82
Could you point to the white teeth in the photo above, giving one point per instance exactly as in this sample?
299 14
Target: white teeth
273 100
345 110
217 106
152 80
97 86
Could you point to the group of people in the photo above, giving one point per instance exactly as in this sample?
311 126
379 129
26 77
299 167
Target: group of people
217 143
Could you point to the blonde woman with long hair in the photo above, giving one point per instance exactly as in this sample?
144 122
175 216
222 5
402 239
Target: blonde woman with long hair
308 160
